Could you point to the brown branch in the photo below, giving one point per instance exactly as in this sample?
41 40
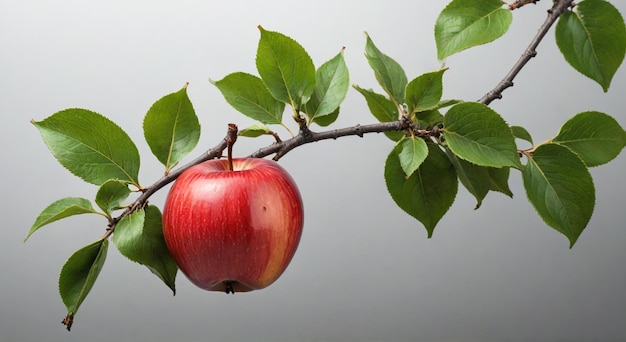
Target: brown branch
308 136
519 3
142 200
280 148
559 7
305 135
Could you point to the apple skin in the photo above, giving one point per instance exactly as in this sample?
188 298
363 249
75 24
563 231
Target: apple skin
233 231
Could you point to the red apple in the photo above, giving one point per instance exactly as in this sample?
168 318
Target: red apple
233 231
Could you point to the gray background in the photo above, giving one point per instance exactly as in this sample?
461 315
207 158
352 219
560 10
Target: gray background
364 269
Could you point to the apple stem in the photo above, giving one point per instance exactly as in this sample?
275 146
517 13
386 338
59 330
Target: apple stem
231 137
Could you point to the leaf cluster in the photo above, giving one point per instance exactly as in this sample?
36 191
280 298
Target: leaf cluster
472 144
98 151
287 77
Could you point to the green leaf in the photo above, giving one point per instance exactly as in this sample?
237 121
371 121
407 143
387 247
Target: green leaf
479 180
285 67
171 128
382 108
388 72
139 237
499 180
521 133
254 131
429 118
479 135
60 209
247 94
593 40
448 103
411 152
79 274
424 92
467 23
330 90
326 120
560 188
111 195
429 192
90 146
597 138
474 178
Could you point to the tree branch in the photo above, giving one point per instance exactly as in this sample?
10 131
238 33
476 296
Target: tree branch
309 136
280 148
559 7
305 136
142 200
519 3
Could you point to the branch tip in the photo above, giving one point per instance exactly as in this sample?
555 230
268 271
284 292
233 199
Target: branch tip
68 321
559 7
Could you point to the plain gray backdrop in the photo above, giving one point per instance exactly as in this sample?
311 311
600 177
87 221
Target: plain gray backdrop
364 270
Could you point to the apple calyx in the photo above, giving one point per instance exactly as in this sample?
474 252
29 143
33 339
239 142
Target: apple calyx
228 287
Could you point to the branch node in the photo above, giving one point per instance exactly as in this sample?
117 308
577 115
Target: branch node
276 137
358 131
304 131
302 123
529 54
